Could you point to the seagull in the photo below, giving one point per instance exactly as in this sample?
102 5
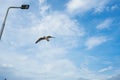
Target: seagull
44 38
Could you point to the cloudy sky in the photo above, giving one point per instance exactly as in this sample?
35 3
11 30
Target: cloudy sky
86 46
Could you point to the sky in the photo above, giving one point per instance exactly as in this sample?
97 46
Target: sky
85 47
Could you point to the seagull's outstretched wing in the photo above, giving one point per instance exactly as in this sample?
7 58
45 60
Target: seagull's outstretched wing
50 37
42 38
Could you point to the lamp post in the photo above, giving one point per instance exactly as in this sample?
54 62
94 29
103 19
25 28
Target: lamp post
24 6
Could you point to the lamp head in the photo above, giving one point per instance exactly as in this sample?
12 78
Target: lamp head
25 6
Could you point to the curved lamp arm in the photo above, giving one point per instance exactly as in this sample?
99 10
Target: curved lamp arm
24 6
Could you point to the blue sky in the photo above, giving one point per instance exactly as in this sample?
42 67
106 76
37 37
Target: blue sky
86 46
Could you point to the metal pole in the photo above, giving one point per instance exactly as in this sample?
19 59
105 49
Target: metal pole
3 25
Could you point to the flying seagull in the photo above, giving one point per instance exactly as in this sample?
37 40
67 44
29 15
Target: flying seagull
44 38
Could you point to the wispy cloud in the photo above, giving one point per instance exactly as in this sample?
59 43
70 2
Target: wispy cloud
5 4
21 59
7 65
105 69
95 41
45 60
115 77
80 6
105 24
114 7
43 7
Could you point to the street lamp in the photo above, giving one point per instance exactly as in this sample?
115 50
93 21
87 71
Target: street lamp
24 6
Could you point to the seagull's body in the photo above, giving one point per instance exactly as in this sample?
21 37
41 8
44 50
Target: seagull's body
44 38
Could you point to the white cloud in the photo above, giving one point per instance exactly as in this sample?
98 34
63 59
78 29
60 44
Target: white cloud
116 77
46 60
101 6
43 7
4 6
42 1
38 68
106 69
95 41
7 65
85 73
42 64
114 7
59 24
80 6
105 24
